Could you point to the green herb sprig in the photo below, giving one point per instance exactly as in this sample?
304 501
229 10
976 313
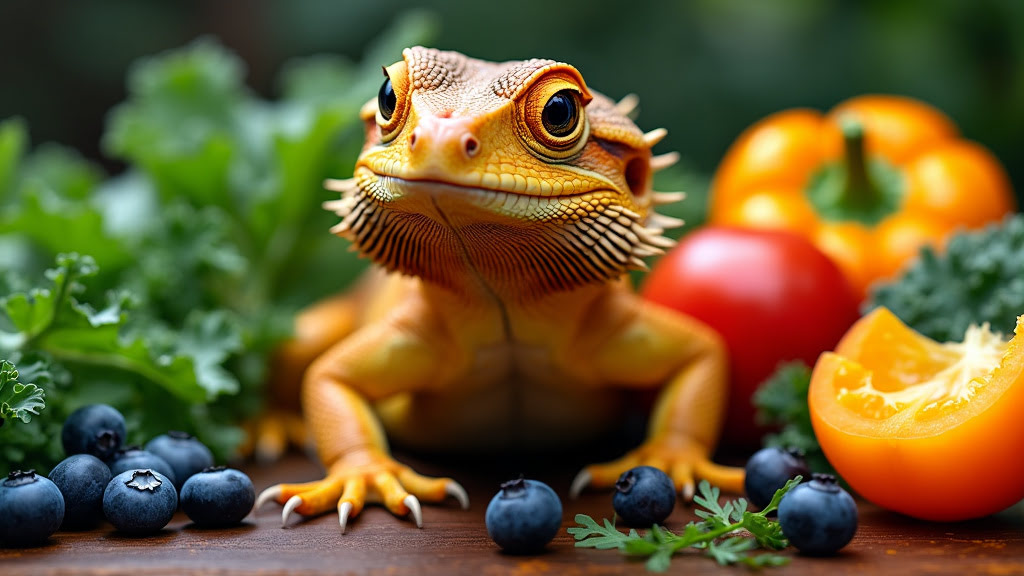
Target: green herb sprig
727 533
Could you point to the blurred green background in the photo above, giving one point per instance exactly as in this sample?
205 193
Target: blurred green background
705 69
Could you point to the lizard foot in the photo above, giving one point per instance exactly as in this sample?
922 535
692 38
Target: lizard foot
683 460
358 479
269 436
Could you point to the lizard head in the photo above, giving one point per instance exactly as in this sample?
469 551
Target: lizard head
514 172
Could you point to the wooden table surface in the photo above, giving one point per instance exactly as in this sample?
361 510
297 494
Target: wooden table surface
454 541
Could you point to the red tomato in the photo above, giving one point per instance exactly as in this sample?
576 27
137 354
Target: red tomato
772 296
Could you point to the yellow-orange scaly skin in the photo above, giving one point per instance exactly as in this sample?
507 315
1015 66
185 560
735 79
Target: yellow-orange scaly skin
498 313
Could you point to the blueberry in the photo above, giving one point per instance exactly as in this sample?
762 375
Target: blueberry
644 496
769 469
95 429
818 516
217 496
139 501
524 516
183 452
135 458
81 479
31 508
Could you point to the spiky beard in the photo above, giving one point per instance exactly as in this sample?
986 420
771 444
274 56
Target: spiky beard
518 246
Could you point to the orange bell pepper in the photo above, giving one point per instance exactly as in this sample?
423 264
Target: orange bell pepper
928 429
869 183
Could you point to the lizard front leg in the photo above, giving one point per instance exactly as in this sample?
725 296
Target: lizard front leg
376 362
652 345
316 329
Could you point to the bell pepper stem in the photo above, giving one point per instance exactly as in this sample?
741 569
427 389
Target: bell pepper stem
859 192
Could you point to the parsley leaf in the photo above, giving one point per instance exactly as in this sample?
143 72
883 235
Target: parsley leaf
18 400
727 533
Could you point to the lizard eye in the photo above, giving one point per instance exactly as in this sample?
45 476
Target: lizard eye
561 113
386 100
552 121
392 101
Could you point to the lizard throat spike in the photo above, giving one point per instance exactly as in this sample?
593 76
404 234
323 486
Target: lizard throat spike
659 163
662 198
663 222
628 105
654 136
336 185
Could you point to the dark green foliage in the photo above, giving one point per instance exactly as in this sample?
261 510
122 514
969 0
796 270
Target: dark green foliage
782 401
979 279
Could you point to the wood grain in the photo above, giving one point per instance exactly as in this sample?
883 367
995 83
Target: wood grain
454 541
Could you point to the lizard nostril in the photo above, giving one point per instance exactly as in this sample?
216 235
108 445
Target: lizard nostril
412 138
470 144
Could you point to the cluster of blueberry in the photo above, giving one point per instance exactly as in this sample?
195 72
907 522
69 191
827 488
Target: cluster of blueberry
525 514
137 490
818 516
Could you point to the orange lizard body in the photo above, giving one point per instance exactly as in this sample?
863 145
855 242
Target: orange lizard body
503 204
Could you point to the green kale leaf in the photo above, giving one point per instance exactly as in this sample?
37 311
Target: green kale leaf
979 278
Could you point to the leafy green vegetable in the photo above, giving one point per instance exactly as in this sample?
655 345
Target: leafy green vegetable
52 320
727 533
50 324
18 400
782 401
978 279
199 253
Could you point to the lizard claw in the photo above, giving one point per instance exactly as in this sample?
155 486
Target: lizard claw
414 507
581 481
289 507
455 490
347 489
272 493
686 493
344 509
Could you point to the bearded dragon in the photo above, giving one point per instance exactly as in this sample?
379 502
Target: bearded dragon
503 205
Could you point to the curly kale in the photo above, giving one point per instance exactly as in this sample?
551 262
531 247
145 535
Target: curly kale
979 278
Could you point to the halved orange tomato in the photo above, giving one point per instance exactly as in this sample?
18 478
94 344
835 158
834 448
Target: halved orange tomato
931 430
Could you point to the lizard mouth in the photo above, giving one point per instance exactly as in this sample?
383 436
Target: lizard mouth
430 227
486 190
520 186
520 205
